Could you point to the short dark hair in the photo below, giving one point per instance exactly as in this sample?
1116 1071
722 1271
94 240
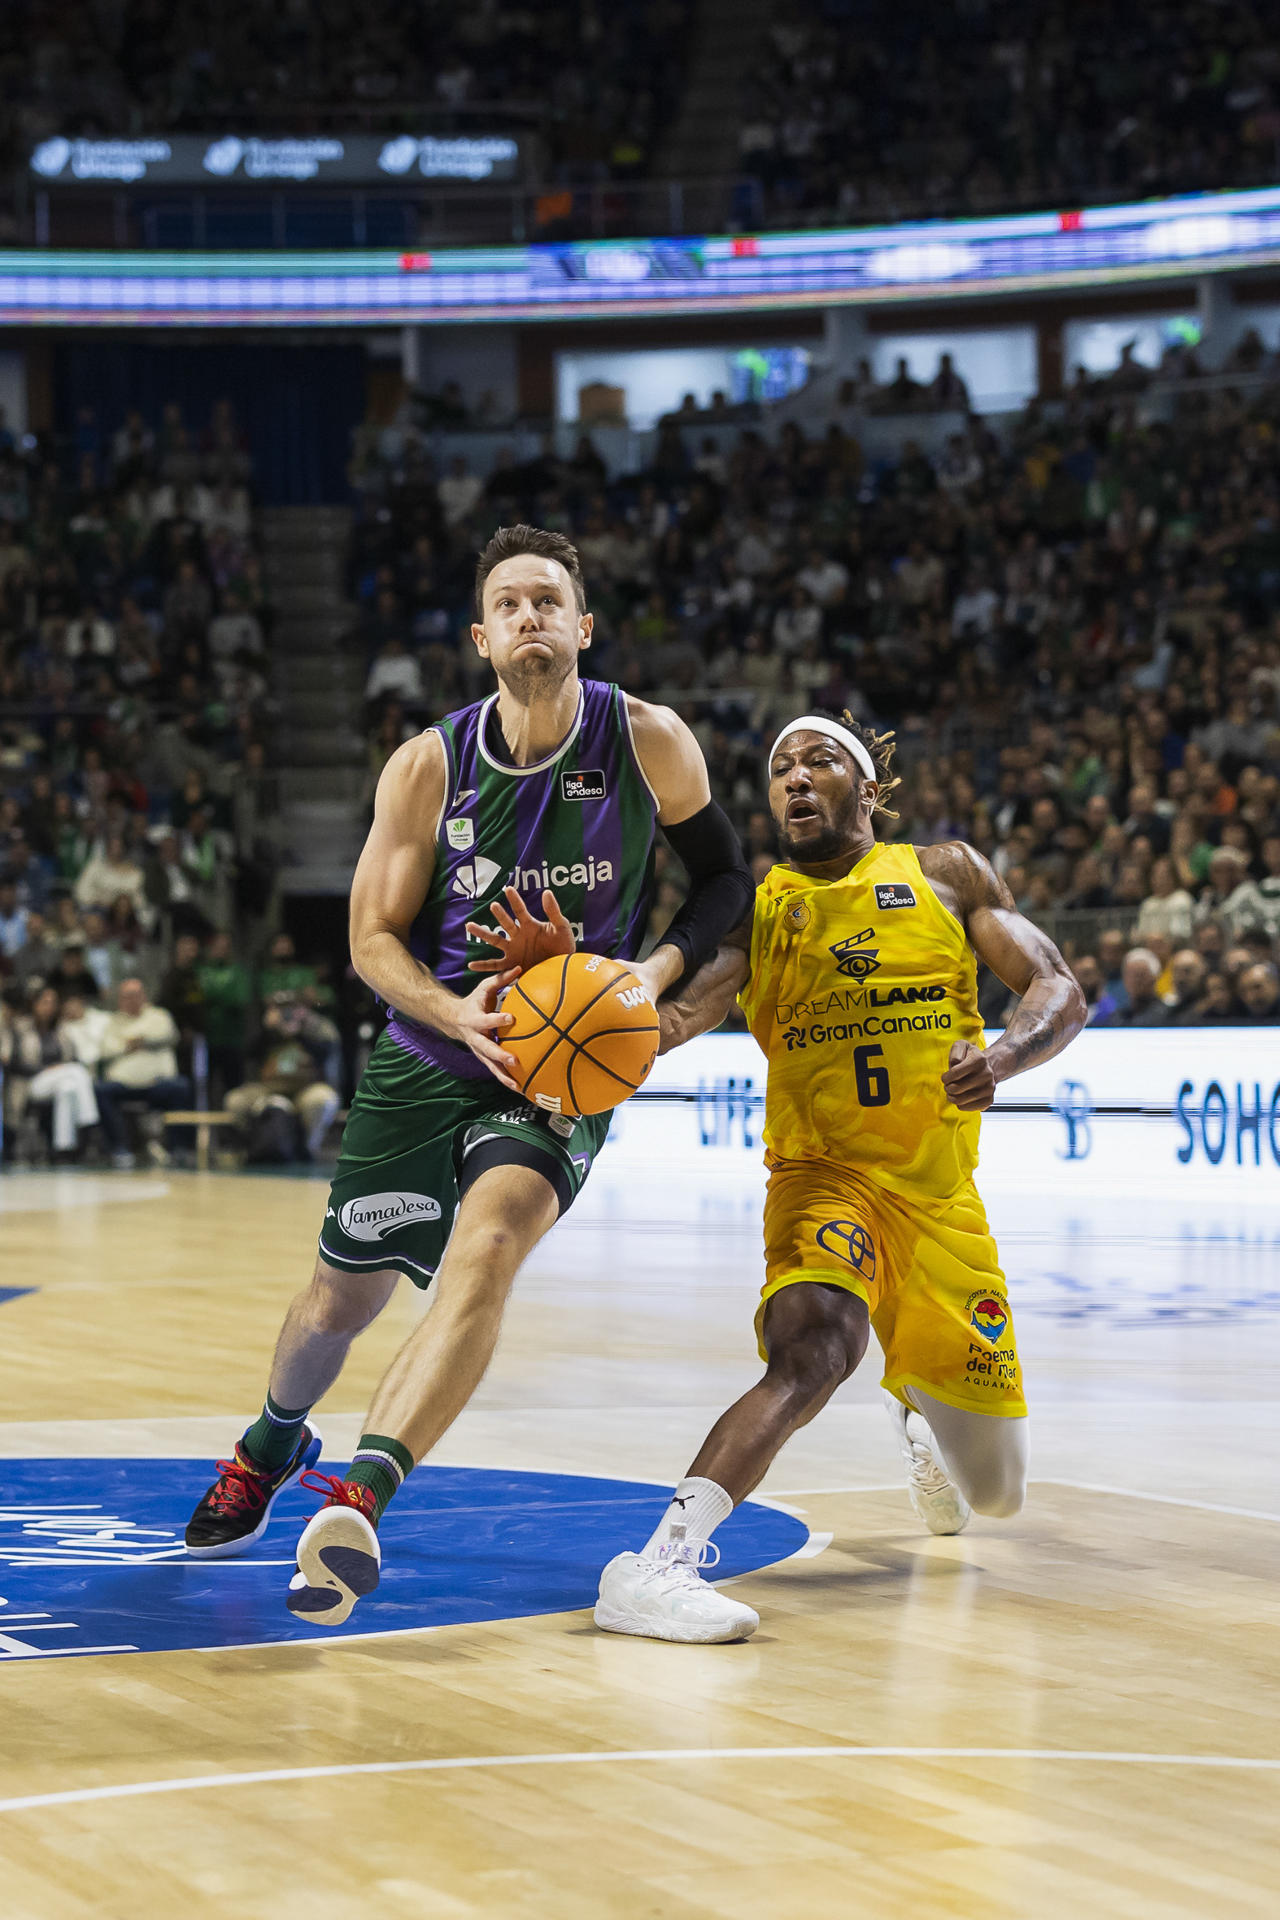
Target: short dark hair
507 542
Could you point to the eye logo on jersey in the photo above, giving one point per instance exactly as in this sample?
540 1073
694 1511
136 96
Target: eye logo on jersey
475 877
852 958
894 893
988 1315
849 1241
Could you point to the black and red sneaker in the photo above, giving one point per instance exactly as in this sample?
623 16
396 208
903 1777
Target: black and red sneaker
339 1559
235 1511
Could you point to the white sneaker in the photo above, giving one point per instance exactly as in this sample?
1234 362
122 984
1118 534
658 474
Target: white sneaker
666 1599
339 1559
937 1499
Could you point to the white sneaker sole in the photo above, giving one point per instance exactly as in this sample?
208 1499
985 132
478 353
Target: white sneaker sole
643 1627
339 1562
228 1549
939 1526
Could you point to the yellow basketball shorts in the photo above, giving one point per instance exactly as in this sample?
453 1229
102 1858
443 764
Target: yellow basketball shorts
927 1269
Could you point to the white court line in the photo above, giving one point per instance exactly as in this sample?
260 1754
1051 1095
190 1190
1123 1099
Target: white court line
1162 1499
811 1493
139 1789
1045 1480
816 1543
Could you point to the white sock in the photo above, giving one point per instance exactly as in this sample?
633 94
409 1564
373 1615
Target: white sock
696 1505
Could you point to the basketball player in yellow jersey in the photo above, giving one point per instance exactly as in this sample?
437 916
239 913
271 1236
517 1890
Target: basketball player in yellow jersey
857 974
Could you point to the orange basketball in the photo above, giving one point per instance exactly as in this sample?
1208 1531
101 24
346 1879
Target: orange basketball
585 1033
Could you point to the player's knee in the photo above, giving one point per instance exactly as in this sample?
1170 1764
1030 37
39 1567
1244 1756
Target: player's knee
345 1303
486 1251
998 1493
814 1364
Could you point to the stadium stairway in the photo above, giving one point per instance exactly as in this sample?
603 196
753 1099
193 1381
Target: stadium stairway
319 684
702 140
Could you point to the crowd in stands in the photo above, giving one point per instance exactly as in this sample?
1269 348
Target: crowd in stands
589 87
862 110
1068 618
138 807
1070 623
851 111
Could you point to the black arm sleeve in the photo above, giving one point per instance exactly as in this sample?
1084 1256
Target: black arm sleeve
721 891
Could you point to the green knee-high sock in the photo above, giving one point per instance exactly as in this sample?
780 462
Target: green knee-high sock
382 1464
275 1434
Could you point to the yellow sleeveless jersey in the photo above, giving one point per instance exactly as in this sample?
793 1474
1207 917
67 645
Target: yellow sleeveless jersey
858 990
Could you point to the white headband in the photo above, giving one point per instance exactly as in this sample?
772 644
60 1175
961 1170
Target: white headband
814 723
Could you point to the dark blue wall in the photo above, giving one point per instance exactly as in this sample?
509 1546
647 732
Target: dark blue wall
297 404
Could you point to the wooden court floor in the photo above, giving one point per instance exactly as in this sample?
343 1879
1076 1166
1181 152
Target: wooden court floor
1071 1714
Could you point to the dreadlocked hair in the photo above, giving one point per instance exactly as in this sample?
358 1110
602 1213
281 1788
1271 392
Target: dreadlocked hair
881 747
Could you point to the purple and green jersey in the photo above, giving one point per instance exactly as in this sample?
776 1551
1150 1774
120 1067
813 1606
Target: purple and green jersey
581 822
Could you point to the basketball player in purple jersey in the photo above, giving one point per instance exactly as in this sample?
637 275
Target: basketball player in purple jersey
548 793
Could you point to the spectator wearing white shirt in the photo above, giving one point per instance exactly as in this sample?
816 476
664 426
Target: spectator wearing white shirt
1168 909
90 634
139 1062
395 671
459 493
45 1072
234 630
755 552
1254 905
823 577
797 623
920 575
228 509
734 592
975 608
85 1027
109 872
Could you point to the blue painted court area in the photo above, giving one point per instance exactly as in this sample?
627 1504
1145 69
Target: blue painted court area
13 1293
92 1561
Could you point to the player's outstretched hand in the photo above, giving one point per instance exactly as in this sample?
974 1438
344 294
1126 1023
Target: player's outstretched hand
479 1024
968 1081
521 939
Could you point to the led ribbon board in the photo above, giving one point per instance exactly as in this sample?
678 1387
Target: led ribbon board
1116 246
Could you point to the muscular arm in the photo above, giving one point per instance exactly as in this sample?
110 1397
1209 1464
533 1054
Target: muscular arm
1052 1009
390 885
703 1001
722 890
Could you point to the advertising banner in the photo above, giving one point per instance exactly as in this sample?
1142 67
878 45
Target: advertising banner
590 279
250 159
1142 1115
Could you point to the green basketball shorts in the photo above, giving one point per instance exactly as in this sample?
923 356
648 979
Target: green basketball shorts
415 1139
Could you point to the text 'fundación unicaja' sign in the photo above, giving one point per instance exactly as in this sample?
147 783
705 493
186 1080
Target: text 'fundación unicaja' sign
194 159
